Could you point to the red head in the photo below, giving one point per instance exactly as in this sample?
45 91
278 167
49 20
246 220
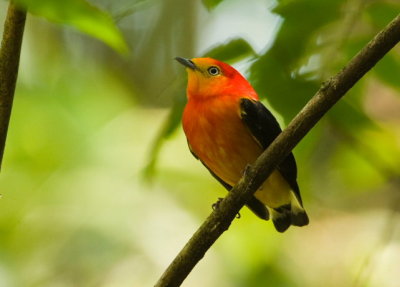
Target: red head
208 77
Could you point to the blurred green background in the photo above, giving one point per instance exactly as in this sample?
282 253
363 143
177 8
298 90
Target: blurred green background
98 187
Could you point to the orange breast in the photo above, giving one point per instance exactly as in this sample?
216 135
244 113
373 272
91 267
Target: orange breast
218 137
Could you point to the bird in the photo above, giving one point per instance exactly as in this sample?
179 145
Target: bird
227 128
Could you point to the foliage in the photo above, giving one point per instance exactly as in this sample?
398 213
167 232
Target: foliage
85 121
80 15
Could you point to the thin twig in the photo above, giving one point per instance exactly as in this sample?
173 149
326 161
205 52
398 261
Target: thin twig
330 92
9 62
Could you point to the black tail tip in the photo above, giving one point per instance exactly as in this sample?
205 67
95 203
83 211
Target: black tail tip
284 216
299 218
282 223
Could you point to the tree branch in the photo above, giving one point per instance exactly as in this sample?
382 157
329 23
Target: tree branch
9 61
330 92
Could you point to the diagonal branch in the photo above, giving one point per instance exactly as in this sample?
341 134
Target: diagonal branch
330 92
9 61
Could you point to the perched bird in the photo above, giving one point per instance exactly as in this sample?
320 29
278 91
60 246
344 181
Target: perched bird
227 128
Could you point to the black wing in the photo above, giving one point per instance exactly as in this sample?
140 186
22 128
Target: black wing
264 128
253 204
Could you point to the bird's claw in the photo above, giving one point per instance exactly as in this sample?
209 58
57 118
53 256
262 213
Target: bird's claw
215 206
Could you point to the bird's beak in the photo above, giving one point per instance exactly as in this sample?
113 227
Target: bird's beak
187 63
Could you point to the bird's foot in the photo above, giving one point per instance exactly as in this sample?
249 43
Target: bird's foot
215 206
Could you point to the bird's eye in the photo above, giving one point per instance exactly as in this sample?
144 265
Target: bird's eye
213 71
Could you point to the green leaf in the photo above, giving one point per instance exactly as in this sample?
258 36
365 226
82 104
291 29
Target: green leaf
301 22
80 15
211 4
234 50
285 93
275 75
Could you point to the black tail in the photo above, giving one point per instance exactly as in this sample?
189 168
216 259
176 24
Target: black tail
286 215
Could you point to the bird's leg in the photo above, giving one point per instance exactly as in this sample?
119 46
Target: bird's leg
215 206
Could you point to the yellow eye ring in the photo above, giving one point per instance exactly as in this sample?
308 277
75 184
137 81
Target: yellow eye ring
214 71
